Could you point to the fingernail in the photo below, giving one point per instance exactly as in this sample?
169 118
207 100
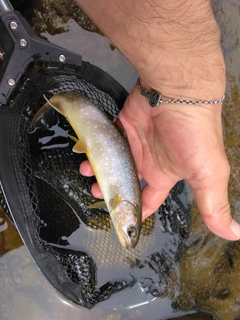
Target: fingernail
235 227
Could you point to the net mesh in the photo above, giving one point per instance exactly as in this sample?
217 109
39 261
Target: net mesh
75 247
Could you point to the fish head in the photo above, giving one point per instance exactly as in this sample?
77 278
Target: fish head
126 218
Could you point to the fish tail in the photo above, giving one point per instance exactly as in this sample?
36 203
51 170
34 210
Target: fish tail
43 118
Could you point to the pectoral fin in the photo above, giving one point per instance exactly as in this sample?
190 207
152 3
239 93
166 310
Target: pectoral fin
114 202
98 205
79 147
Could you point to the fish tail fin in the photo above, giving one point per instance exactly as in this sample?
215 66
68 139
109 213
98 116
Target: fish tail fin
43 118
46 115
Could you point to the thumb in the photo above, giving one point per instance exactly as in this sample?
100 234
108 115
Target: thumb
211 194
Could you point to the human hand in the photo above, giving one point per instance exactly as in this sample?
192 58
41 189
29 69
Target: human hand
174 142
175 47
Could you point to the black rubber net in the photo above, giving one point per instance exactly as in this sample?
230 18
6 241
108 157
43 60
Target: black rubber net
76 248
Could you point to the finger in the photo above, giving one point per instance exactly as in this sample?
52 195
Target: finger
212 201
96 192
152 199
86 169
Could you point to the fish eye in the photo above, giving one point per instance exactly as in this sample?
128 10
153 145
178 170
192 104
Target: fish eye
132 232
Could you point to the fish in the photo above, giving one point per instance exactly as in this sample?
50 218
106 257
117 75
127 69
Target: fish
110 157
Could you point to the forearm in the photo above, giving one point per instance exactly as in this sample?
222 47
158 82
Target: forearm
173 44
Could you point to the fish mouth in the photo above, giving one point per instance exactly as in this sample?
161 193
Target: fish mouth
128 236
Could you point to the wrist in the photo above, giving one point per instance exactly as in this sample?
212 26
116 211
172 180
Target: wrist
155 98
196 79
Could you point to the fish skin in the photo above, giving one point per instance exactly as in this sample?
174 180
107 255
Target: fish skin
110 157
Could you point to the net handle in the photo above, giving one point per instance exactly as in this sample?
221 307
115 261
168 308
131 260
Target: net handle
5 5
23 49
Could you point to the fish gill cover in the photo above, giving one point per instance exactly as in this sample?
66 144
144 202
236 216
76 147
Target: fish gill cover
75 247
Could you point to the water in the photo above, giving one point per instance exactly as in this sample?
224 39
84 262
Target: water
208 275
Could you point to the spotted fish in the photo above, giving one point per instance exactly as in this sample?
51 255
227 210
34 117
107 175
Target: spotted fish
110 157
